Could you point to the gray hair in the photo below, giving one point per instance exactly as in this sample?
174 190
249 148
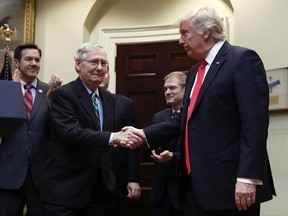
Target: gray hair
87 47
205 17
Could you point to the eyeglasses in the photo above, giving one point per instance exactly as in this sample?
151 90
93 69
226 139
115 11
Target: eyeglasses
95 63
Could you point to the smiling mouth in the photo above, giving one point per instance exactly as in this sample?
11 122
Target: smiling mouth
33 71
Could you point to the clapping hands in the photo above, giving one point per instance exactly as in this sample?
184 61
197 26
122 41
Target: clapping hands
17 78
55 82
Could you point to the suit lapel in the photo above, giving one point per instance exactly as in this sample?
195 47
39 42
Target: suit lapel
85 101
213 71
168 113
41 92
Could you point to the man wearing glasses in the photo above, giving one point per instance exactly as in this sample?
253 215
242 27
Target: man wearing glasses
79 168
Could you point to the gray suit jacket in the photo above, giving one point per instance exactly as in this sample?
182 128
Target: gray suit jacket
26 145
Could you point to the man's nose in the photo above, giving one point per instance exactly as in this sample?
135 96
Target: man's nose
33 61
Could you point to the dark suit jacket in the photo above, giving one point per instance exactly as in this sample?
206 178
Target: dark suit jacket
28 142
78 151
227 130
125 162
166 176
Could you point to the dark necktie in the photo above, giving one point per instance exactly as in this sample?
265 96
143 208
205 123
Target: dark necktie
201 71
95 104
174 114
28 99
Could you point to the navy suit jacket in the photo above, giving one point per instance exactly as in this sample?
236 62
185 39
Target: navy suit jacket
227 130
166 178
26 145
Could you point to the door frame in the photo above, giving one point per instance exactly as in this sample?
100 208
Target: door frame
110 37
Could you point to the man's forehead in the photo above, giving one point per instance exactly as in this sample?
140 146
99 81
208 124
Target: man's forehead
96 53
170 84
30 52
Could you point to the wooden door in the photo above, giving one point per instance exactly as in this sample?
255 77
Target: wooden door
140 69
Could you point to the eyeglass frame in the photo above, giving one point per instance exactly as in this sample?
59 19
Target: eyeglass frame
95 63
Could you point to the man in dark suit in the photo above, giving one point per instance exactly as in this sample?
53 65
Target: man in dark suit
225 165
22 154
125 163
164 195
78 169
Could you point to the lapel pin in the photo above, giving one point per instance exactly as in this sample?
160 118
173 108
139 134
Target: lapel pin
40 91
217 63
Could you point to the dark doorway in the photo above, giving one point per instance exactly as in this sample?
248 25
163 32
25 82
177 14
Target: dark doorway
140 69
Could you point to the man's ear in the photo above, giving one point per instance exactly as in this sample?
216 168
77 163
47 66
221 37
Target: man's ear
206 34
77 68
16 63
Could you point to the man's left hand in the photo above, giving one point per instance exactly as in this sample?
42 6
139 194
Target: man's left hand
245 195
134 190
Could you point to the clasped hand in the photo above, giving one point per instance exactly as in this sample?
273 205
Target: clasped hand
129 137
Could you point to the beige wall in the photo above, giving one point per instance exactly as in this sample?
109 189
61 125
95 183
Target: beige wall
261 25
62 25
59 32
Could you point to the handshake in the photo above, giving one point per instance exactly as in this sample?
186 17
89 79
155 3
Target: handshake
129 137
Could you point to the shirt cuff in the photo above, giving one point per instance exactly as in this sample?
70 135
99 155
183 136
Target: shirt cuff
111 140
146 140
251 181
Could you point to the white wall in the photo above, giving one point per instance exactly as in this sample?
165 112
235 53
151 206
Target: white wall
59 32
63 25
262 25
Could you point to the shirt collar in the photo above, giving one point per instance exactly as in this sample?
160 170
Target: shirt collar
91 92
34 83
213 52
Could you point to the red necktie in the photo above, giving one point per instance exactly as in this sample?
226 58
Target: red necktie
201 71
28 99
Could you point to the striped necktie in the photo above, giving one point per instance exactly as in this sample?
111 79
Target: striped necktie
95 104
28 99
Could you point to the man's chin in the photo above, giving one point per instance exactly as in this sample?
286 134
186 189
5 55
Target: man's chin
169 103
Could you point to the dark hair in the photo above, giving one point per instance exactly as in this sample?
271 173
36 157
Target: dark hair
18 50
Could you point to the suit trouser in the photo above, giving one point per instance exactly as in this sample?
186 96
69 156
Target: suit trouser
193 207
165 206
12 202
116 207
95 207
